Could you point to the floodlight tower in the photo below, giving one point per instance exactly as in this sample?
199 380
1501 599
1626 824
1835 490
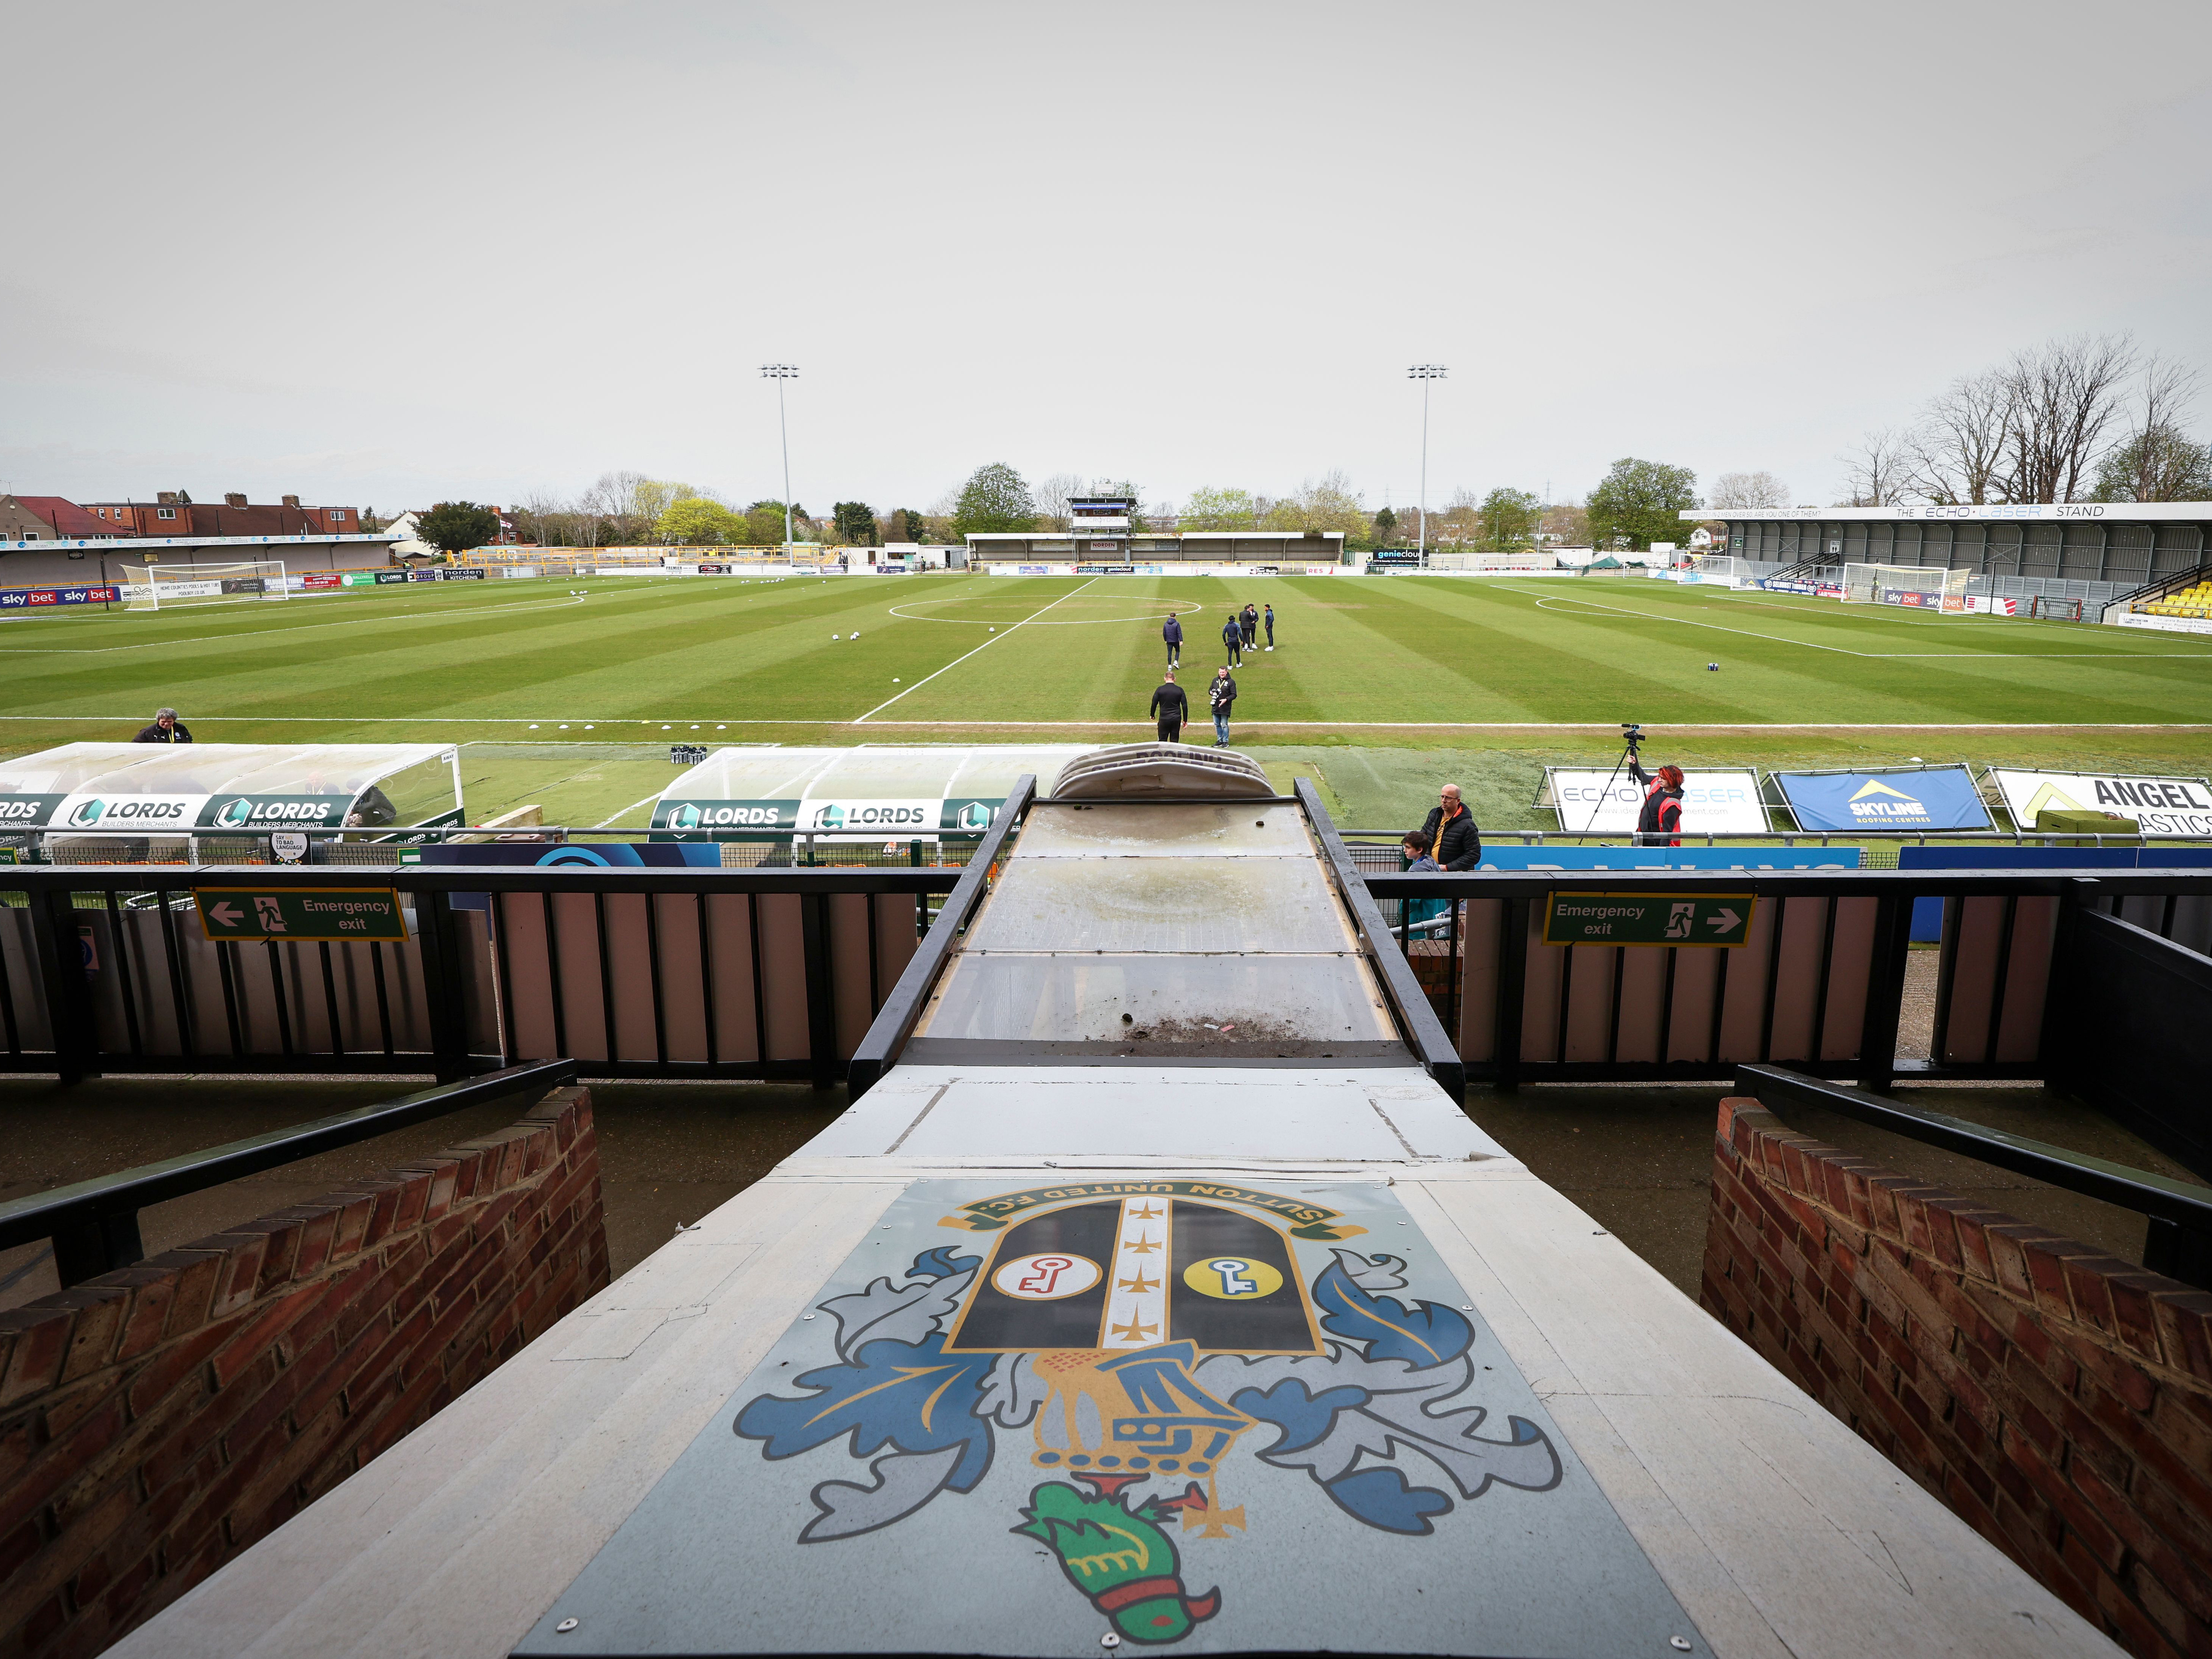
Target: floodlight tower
1425 373
779 372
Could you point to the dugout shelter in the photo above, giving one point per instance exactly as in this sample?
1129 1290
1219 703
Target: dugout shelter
874 793
108 803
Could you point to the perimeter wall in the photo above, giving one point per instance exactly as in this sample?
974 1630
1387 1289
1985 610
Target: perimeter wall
2058 1401
157 1420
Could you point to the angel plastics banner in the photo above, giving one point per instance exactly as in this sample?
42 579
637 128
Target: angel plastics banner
2163 806
1176 1411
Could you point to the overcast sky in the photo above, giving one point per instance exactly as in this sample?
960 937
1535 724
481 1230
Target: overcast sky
387 253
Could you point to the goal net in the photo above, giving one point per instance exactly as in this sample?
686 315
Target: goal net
1906 584
2058 610
159 586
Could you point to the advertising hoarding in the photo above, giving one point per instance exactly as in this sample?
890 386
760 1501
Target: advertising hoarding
1714 801
2163 806
1670 858
1932 798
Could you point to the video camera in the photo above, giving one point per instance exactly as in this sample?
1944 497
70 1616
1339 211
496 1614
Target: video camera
1631 733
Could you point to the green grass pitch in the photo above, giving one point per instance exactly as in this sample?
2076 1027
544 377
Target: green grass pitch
1376 663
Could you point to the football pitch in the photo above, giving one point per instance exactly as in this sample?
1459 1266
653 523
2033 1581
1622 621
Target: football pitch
1529 665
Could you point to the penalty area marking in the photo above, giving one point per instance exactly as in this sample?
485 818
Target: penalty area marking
1174 608
1557 602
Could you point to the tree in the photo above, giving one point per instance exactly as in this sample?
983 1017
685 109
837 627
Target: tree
698 521
1637 503
993 498
1741 489
455 526
1509 519
1209 509
855 522
1386 526
1052 496
903 524
1330 504
1566 522
1957 449
2157 461
1879 471
2065 399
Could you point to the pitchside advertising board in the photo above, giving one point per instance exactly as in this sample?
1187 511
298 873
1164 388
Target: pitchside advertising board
2163 806
86 810
1937 798
858 820
1721 803
32 598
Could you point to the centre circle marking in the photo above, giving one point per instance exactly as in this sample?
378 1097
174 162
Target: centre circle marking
1233 1278
1047 1276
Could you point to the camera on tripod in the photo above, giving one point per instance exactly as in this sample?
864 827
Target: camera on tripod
1631 734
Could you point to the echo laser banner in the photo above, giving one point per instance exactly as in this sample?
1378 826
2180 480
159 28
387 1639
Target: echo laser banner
1938 798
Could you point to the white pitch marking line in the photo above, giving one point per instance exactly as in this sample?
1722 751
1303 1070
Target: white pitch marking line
609 823
264 633
1554 602
964 657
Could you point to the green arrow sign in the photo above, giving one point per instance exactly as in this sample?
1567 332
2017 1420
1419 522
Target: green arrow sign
1648 919
308 913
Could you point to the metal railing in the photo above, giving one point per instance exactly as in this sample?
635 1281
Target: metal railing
1818 982
1425 1034
94 1224
640 971
2179 1241
902 1010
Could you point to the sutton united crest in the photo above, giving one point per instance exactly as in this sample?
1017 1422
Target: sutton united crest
1141 1334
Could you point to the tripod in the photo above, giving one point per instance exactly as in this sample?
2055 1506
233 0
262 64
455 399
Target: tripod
1631 751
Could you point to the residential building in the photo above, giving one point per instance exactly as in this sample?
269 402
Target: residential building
48 518
174 513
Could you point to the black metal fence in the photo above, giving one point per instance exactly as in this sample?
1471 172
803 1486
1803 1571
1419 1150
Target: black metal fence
1818 984
639 972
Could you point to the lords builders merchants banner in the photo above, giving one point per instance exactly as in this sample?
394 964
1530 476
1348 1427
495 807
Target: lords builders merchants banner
2163 806
1934 797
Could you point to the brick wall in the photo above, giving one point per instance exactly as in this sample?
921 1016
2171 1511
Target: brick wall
2058 1401
155 1421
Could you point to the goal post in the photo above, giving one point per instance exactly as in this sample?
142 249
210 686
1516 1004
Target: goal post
1921 586
2050 610
162 587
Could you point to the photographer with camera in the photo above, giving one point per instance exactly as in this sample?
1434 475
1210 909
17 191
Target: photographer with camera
1660 822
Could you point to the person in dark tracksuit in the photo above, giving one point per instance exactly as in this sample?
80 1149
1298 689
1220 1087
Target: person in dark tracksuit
1223 694
1232 635
1170 706
1251 621
166 728
1171 631
1268 618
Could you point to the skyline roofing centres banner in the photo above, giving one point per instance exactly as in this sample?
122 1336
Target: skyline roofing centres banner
1714 802
2163 806
1932 798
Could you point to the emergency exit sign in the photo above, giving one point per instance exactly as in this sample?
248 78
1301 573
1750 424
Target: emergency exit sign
1721 918
310 914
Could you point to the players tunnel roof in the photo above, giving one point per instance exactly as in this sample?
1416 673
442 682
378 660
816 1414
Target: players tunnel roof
891 790
229 786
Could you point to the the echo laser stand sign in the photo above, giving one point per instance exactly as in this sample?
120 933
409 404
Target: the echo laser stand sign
307 916
1723 919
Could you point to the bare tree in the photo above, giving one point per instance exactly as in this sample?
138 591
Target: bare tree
2066 400
1877 469
1051 497
1958 450
1749 489
2157 460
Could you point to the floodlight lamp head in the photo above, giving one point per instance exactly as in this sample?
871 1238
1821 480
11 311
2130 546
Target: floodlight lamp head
1425 372
780 371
